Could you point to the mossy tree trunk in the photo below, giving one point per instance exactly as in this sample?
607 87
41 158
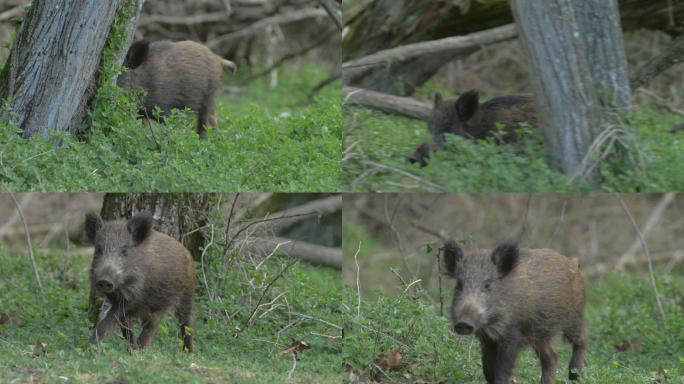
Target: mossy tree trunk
578 70
51 74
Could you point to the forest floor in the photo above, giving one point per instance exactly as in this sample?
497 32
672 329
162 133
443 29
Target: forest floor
44 336
268 139
378 145
629 341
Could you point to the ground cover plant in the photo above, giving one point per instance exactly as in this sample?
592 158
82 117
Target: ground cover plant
268 139
378 145
44 335
401 336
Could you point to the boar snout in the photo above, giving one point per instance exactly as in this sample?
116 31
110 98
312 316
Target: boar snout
463 328
104 286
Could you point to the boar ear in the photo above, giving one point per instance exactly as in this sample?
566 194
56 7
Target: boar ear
140 226
438 100
468 105
505 257
93 223
452 255
137 54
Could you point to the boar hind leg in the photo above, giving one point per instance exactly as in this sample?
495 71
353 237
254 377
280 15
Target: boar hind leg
205 117
185 324
489 353
150 326
548 360
578 337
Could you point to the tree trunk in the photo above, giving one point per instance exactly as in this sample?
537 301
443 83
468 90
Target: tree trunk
50 75
556 40
385 24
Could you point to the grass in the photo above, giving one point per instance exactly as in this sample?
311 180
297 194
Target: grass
629 342
646 162
57 317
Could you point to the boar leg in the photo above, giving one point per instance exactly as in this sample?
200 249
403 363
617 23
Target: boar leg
489 353
576 336
108 324
506 356
185 323
548 360
127 330
150 326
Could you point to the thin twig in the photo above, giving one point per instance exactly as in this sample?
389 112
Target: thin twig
227 245
646 251
28 241
294 365
246 324
358 284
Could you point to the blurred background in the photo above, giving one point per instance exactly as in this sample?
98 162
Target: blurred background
249 32
396 230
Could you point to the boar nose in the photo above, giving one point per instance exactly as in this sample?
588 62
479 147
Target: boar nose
463 328
104 285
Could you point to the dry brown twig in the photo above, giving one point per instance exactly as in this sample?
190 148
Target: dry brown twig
28 241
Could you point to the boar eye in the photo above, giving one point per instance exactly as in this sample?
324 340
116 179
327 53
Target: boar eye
124 251
459 284
98 250
488 285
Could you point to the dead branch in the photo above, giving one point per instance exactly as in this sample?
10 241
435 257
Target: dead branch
26 198
653 219
456 45
14 12
313 253
28 241
671 55
396 105
182 20
286 218
284 18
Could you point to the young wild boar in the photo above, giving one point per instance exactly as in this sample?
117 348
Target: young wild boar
466 117
143 274
511 298
175 75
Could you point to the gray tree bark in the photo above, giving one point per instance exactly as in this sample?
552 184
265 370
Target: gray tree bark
50 75
571 60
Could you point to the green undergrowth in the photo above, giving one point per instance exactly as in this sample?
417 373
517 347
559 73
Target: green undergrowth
301 305
267 140
629 341
378 145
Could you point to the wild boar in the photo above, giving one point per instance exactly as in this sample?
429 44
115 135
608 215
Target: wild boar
175 75
466 117
144 274
511 298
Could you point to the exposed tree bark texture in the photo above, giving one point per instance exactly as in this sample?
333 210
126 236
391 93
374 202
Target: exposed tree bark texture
178 215
567 97
599 24
673 54
50 74
385 24
403 106
415 63
333 10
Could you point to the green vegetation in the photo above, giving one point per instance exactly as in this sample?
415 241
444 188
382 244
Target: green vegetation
300 306
629 342
267 140
646 159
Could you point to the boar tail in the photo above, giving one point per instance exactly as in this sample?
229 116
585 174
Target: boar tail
229 64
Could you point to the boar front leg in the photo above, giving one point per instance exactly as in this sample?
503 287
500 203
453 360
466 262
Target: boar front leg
489 354
506 356
150 324
108 324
